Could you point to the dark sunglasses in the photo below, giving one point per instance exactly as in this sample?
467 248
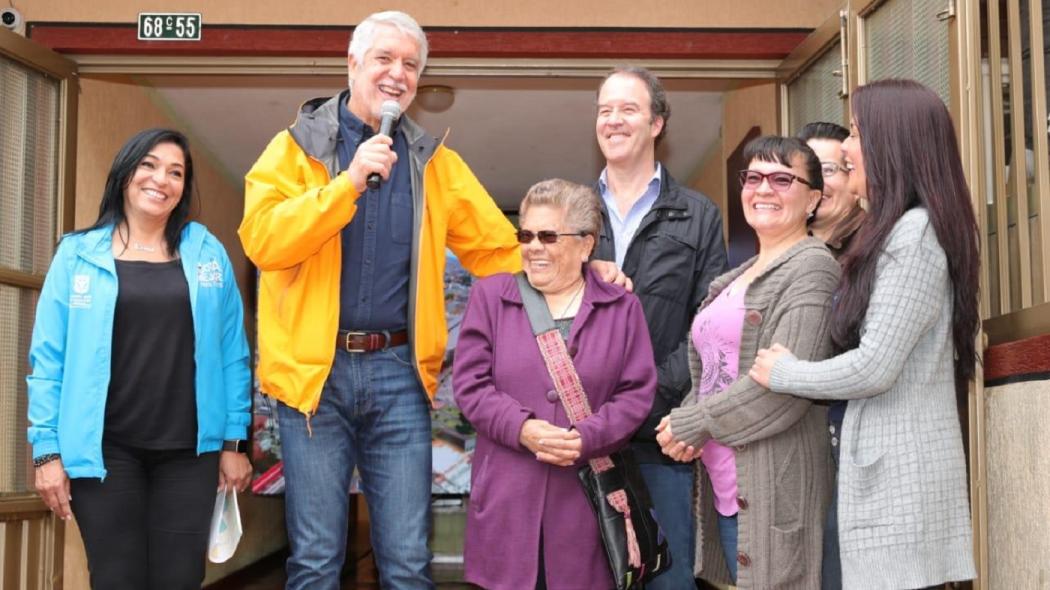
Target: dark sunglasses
778 181
546 236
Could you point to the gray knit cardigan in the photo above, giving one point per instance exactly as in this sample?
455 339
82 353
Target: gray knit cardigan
904 517
782 452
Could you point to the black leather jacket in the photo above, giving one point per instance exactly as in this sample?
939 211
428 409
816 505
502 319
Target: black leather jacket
672 258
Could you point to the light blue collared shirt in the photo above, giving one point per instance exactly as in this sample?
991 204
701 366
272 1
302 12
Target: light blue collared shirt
623 228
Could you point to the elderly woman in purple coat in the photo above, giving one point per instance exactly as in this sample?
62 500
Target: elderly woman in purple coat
530 524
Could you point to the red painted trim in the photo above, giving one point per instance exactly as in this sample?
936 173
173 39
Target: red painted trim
1031 355
330 42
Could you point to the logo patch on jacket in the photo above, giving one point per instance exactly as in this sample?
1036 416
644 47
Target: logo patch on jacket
81 296
209 274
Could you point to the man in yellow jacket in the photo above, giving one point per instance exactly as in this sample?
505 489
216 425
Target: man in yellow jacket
351 308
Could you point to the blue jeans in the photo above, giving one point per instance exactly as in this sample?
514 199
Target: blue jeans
727 533
374 415
671 488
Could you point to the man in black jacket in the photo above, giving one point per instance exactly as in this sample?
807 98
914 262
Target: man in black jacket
668 240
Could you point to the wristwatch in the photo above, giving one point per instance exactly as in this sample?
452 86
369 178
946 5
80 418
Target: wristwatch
235 446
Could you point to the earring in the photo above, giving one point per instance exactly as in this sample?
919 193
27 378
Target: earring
864 203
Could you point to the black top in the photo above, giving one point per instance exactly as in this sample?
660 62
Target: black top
152 402
837 408
564 326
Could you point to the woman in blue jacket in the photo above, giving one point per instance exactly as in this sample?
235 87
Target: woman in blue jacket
140 375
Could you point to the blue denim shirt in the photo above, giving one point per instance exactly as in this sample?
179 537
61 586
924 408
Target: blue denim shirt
377 243
624 227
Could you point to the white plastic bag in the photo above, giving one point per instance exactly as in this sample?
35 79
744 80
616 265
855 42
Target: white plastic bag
225 526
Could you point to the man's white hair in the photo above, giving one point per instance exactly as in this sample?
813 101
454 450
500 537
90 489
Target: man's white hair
364 36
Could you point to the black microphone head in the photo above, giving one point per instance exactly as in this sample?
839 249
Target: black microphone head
390 108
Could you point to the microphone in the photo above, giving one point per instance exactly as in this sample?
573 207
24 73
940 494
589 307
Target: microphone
389 112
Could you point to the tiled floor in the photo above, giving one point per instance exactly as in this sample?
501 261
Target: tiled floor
268 574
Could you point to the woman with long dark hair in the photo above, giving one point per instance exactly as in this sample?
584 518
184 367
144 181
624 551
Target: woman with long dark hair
140 375
905 321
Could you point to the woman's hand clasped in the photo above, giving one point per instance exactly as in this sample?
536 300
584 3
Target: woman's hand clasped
549 443
52 484
234 470
764 361
673 448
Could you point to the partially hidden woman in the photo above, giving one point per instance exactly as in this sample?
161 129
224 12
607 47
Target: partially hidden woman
139 392
836 221
841 211
906 317
763 481
529 524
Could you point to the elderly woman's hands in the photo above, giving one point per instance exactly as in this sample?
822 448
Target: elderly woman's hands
675 449
550 443
52 483
764 361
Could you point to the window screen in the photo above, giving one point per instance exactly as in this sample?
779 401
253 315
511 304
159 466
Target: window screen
29 109
905 39
814 96
17 307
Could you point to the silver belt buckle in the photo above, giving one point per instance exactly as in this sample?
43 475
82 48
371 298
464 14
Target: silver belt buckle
346 342
368 336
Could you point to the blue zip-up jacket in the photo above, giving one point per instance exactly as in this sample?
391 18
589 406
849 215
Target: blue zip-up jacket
73 339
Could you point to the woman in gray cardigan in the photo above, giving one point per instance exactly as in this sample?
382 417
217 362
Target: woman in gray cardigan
763 479
905 319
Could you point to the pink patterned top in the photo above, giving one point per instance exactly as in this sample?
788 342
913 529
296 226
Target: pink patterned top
716 335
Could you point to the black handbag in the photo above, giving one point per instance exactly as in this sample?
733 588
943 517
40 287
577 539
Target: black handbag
635 545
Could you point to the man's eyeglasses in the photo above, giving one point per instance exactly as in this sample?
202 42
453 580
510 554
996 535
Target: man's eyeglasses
828 169
546 236
778 181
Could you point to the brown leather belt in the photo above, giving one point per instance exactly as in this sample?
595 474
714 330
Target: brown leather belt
369 341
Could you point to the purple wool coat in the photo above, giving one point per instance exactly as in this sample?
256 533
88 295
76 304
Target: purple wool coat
500 381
